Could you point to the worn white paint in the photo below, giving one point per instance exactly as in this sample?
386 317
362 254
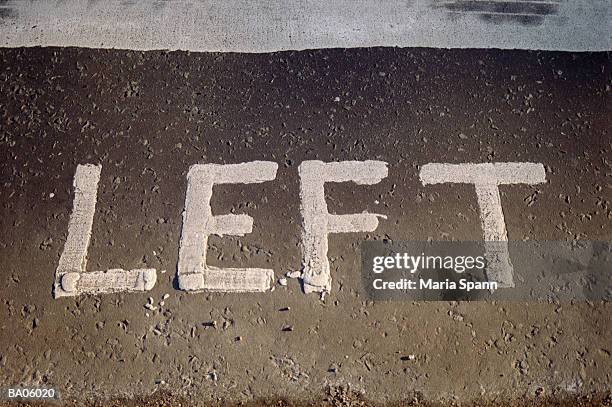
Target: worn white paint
318 222
71 277
199 223
487 177
274 25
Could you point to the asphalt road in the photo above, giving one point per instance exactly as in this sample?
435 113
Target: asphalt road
146 117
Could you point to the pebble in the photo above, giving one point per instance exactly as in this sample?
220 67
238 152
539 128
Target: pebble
150 307
212 324
282 281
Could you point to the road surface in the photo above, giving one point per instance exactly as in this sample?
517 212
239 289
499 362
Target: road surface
146 117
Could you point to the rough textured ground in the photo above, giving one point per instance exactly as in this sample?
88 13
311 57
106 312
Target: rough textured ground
341 396
146 117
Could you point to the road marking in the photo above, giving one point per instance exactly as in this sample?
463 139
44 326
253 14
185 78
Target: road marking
318 222
71 277
486 178
199 223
